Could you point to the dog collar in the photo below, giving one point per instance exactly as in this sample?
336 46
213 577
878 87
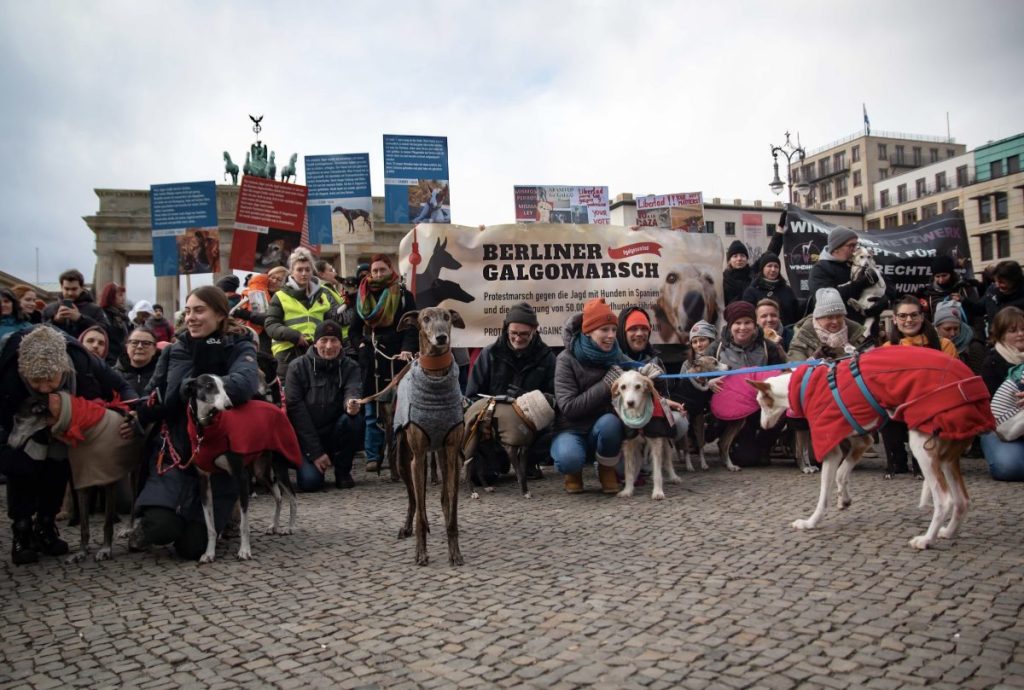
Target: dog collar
436 362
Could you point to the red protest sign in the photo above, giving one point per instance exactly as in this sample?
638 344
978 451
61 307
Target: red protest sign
264 203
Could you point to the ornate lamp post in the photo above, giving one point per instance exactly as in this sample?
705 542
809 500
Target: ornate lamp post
789 151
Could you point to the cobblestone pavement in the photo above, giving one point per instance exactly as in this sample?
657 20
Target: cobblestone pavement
709 588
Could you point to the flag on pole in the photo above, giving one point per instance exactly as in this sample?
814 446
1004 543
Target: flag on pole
867 122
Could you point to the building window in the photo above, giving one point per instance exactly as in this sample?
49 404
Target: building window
856 178
922 187
841 205
855 153
826 207
839 161
883 173
730 228
823 167
950 205
1000 205
857 201
940 181
934 153
995 168
917 155
929 211
986 247
901 194
950 153
898 156
892 221
826 191
883 151
1002 244
874 224
709 226
1013 164
884 200
909 217
985 210
769 229
841 186
961 176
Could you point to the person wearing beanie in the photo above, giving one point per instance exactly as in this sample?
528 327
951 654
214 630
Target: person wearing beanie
382 349
948 283
587 428
321 395
827 333
229 284
744 345
769 284
832 270
160 325
33 364
737 274
517 362
950 322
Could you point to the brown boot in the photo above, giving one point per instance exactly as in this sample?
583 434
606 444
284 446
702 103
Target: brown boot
609 480
574 483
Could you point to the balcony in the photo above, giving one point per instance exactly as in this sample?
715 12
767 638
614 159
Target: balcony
844 170
898 161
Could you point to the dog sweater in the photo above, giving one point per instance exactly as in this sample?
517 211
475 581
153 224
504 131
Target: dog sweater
433 403
924 388
249 429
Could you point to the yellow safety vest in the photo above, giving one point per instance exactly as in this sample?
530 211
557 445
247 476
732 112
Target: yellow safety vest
300 318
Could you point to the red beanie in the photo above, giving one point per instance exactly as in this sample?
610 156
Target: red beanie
738 310
597 313
637 317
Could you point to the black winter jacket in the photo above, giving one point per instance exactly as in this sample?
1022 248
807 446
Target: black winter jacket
137 378
92 315
378 370
781 292
499 370
315 394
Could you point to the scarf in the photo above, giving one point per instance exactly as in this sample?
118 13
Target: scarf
586 351
769 286
964 338
1014 357
379 300
835 341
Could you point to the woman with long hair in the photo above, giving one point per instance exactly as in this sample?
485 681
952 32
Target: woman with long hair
11 317
1002 371
112 301
28 299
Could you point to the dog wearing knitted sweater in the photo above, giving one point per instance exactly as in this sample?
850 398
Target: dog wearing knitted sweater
428 419
939 399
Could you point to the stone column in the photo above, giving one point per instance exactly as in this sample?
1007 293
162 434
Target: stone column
167 294
119 270
104 272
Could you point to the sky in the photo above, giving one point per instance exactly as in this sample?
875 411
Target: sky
642 97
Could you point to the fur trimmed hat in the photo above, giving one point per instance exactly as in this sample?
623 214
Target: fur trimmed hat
535 409
828 302
597 313
43 354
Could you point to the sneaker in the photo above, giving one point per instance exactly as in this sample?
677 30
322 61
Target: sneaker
344 481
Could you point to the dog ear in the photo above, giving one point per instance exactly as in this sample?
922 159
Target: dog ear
410 319
457 321
615 388
188 388
649 385
761 386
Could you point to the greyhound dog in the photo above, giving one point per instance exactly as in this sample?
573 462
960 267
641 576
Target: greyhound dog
696 396
864 261
428 418
633 399
267 429
351 214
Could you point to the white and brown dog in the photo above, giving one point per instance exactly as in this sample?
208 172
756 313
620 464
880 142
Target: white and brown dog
636 400
864 261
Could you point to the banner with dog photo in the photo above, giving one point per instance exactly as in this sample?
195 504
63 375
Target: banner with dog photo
270 221
562 204
904 254
683 211
416 186
339 205
482 273
186 239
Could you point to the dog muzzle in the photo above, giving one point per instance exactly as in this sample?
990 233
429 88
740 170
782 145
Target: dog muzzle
635 419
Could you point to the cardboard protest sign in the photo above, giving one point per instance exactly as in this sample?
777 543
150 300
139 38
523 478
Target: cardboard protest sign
183 216
416 186
671 211
268 221
562 204
481 273
340 205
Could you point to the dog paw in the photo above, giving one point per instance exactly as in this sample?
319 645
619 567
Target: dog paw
844 503
207 558
489 489
77 556
404 533
527 495
921 542
803 524
625 493
733 468
244 553
657 495
945 533
103 554
475 495
809 469
455 560
422 560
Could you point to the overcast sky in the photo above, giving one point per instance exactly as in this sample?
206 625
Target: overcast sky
644 97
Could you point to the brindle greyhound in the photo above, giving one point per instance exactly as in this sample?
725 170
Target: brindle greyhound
429 419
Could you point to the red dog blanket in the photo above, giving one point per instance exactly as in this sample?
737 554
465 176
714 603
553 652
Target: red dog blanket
924 388
248 430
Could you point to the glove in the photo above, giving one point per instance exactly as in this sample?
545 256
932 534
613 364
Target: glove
613 375
243 314
781 227
651 370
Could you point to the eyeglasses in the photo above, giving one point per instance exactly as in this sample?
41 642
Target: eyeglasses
520 335
141 343
908 317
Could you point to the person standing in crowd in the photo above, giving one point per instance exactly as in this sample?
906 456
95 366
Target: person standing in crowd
744 345
295 310
11 317
95 340
769 284
1002 372
140 313
33 364
1007 290
75 311
229 284
328 276
322 394
161 327
139 362
910 328
767 312
112 301
832 270
736 276
518 362
27 299
276 278
381 303
827 333
946 284
254 306
211 343
586 426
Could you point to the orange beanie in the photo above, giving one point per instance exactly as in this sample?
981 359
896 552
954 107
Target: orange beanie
597 313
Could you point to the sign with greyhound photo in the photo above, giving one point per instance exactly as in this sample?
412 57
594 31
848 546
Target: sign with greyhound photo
904 254
671 211
339 206
269 220
562 204
416 186
482 273
183 216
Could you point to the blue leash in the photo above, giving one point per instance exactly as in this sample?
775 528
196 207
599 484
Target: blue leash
748 370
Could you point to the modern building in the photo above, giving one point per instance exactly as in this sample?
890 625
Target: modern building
994 202
920 193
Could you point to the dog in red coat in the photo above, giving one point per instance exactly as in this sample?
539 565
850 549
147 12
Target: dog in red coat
942 402
255 435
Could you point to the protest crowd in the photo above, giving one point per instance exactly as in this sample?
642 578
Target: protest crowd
316 345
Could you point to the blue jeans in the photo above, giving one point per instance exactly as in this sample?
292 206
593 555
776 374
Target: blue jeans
572 449
373 440
1005 459
340 444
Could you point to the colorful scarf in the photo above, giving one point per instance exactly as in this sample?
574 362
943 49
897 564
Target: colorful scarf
586 351
379 301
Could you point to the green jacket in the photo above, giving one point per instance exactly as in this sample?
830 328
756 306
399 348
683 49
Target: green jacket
806 345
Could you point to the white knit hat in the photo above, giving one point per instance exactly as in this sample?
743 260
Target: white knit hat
828 302
43 354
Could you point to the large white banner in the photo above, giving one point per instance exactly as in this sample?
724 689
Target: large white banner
675 276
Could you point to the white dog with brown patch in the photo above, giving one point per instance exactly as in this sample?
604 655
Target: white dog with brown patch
635 398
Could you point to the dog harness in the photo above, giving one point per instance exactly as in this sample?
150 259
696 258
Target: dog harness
933 393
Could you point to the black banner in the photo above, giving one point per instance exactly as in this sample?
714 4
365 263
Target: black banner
904 255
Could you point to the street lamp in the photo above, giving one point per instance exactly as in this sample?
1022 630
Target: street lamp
789 151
